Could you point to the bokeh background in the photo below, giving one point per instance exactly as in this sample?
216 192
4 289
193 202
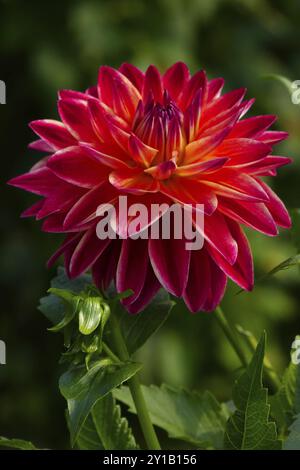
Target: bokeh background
45 46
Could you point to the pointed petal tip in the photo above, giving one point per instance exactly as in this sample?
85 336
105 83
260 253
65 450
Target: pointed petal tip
286 222
284 134
246 284
249 287
152 68
36 124
17 182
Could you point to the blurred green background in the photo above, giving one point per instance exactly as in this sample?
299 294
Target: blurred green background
45 46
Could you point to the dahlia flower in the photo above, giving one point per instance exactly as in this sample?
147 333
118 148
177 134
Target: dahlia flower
157 138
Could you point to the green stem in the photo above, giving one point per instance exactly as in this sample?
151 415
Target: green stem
231 335
135 389
110 354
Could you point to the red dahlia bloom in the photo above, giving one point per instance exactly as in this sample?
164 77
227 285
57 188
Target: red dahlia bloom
170 137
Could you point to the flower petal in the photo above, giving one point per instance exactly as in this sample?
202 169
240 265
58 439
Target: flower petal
163 170
86 252
152 85
197 82
118 92
170 261
242 150
141 153
85 208
186 191
70 240
241 272
217 234
92 91
197 168
54 223
33 210
175 79
150 288
133 180
104 269
200 148
102 119
273 137
276 207
120 136
135 75
53 132
234 184
214 89
75 115
41 146
103 158
265 165
75 166
223 103
41 181
132 268
73 94
254 215
156 205
60 200
216 291
252 127
199 281
192 117
206 283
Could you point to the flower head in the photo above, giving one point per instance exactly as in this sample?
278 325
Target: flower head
157 138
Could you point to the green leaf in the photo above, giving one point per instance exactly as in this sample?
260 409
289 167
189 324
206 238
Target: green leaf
286 264
51 306
286 402
269 374
136 329
111 427
77 379
249 427
90 314
88 438
17 444
71 303
293 440
105 429
189 416
82 388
